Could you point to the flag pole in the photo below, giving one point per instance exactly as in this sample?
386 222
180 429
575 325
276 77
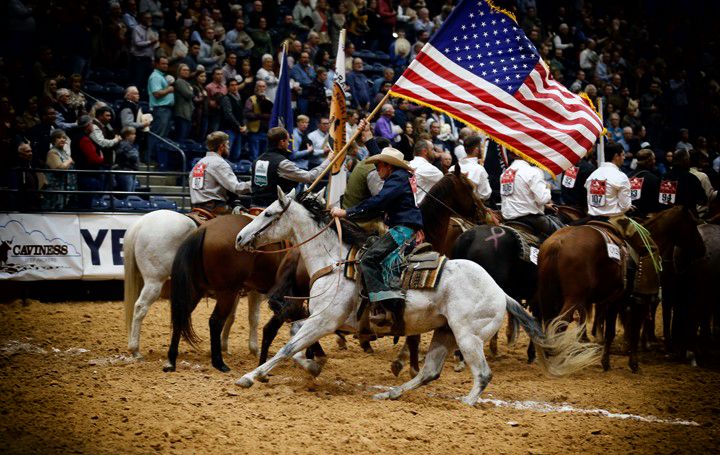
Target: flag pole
601 145
355 135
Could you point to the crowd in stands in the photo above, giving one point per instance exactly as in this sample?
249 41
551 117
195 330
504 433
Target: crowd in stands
83 83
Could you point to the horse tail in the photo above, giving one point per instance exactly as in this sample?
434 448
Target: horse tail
560 351
134 282
186 284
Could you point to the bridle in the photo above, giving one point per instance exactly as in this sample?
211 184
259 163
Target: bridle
289 248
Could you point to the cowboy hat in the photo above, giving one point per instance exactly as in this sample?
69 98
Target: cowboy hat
391 156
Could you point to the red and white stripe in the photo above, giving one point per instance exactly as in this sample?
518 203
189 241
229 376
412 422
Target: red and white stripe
543 120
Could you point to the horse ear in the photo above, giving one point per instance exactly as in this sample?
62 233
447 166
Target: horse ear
281 194
457 170
320 195
291 195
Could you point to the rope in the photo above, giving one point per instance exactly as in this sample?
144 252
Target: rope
647 241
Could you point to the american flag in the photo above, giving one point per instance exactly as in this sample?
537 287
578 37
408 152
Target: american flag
481 69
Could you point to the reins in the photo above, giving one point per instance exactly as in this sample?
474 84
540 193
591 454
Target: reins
447 206
291 247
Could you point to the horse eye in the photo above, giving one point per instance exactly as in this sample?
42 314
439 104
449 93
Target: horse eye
268 215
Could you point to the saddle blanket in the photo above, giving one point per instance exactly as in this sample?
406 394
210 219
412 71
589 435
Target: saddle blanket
529 243
419 271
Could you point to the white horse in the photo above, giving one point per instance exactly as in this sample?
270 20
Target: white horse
465 310
149 248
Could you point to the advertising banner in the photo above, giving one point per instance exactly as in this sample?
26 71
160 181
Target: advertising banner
40 247
102 242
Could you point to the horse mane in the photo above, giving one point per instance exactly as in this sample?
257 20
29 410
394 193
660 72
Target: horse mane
352 234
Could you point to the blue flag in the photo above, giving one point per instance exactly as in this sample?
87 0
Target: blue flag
282 114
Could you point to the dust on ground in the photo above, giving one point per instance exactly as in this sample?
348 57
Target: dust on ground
67 385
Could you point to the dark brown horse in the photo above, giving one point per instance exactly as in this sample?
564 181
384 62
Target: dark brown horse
574 271
206 261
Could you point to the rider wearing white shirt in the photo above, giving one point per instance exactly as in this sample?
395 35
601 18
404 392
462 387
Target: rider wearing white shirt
609 188
212 179
426 174
524 195
471 167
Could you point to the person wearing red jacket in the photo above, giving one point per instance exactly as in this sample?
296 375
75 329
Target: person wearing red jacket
88 156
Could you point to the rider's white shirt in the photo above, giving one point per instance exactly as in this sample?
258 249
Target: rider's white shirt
529 194
477 174
426 176
616 200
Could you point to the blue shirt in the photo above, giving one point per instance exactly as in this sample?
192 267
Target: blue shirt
304 76
359 88
158 82
396 200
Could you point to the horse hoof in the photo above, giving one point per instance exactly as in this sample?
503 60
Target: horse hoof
470 401
314 368
381 396
531 360
368 350
263 379
413 372
396 367
606 364
341 344
460 366
137 356
254 351
222 367
169 368
244 382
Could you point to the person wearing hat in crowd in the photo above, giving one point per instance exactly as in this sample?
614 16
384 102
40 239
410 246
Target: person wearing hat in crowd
396 201
274 168
212 180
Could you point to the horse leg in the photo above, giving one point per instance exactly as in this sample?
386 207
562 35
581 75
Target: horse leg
442 342
149 294
269 333
341 341
228 325
610 320
172 351
459 362
311 331
638 314
413 343
254 301
471 346
493 345
399 363
224 306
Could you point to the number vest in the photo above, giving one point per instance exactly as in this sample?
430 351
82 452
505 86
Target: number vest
265 179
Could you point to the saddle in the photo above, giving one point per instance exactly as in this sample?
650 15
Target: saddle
200 216
421 268
528 241
638 269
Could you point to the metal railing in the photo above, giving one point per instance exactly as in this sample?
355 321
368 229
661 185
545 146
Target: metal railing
146 193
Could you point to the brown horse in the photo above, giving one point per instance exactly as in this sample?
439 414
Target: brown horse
205 261
574 271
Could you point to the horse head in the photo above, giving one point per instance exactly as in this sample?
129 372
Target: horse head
269 226
679 226
458 192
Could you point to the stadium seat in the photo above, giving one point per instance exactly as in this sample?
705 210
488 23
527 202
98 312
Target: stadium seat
137 204
244 167
158 203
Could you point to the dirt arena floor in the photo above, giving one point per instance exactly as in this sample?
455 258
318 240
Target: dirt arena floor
66 386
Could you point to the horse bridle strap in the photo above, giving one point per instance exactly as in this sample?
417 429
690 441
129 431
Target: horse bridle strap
292 247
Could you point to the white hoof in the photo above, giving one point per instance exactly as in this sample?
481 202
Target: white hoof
314 368
470 401
460 366
253 350
392 394
137 356
381 396
245 382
